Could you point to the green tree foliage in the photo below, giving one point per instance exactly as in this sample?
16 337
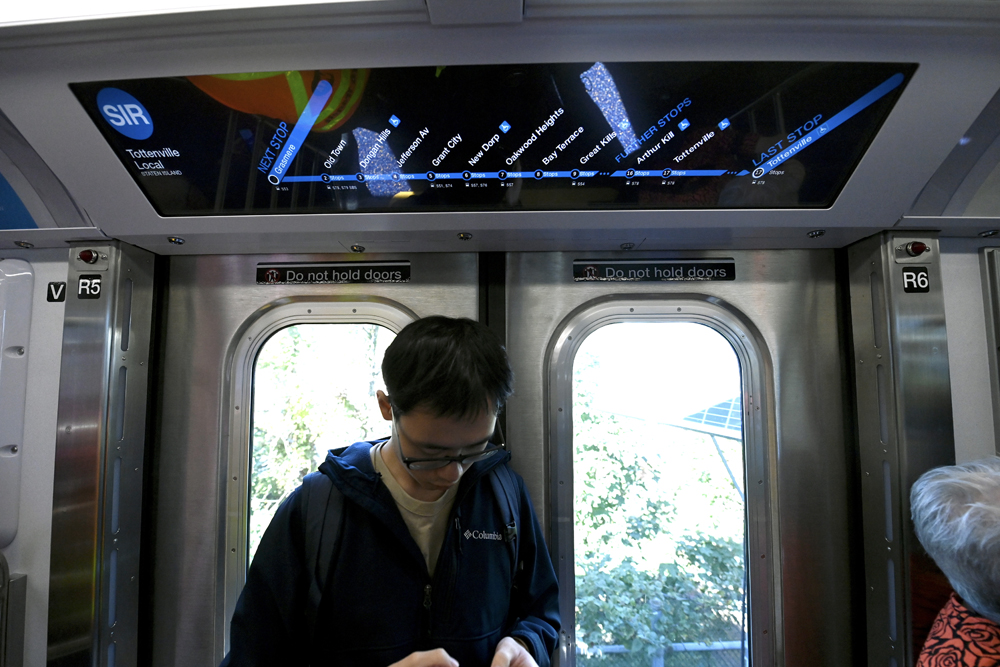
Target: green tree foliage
644 578
314 390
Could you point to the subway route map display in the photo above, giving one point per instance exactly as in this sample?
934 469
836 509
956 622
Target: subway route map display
582 136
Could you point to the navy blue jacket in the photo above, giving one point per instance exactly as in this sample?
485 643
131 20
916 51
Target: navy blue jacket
380 604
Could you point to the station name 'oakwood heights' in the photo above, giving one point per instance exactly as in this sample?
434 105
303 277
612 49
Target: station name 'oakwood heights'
546 124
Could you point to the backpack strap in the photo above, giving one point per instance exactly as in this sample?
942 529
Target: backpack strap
323 509
505 490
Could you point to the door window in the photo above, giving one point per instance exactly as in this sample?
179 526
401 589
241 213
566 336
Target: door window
659 510
313 390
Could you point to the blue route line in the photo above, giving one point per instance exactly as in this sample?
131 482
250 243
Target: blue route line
850 111
667 173
442 176
301 130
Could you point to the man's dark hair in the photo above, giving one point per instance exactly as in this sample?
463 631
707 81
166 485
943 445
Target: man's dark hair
450 367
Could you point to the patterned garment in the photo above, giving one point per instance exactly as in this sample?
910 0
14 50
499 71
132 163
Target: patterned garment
959 638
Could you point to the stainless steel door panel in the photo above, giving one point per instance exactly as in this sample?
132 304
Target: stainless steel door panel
210 301
791 298
100 447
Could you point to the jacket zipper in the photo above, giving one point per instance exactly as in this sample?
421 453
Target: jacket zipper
428 633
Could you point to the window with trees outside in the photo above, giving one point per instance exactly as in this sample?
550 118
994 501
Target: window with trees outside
313 390
659 511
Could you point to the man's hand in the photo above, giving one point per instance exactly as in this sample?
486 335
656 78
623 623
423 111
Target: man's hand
511 653
436 658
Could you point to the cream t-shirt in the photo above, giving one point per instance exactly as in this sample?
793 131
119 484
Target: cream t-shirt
427 521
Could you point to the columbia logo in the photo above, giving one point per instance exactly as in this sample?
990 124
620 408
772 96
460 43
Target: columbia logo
482 535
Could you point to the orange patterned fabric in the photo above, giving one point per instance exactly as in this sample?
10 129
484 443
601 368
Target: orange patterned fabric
959 638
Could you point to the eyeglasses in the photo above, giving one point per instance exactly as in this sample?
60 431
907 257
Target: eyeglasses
495 445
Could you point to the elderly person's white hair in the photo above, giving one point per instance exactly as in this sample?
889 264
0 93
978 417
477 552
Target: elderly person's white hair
956 513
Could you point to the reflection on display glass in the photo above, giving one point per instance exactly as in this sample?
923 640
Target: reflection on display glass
497 137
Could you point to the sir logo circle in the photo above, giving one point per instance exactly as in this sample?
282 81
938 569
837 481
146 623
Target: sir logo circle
125 113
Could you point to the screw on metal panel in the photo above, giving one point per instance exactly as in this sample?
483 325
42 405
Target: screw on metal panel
989 233
464 236
103 256
13 449
20 351
357 248
816 233
24 244
627 246
176 240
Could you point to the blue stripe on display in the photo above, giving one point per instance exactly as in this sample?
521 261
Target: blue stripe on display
301 130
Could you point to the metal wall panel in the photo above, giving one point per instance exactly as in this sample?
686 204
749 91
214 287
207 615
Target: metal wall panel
16 291
211 302
791 299
965 292
904 417
100 441
29 552
991 297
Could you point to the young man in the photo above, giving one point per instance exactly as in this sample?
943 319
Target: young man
425 571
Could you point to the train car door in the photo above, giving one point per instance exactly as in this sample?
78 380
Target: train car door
252 344
605 351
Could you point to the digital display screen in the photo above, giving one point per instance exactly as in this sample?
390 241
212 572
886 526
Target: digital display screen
584 136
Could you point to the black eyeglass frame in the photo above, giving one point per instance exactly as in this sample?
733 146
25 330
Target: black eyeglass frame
496 445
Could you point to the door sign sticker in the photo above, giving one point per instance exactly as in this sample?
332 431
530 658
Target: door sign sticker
89 286
916 279
56 292
326 273
653 270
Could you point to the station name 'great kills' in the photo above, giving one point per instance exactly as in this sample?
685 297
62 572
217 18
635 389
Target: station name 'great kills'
546 124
